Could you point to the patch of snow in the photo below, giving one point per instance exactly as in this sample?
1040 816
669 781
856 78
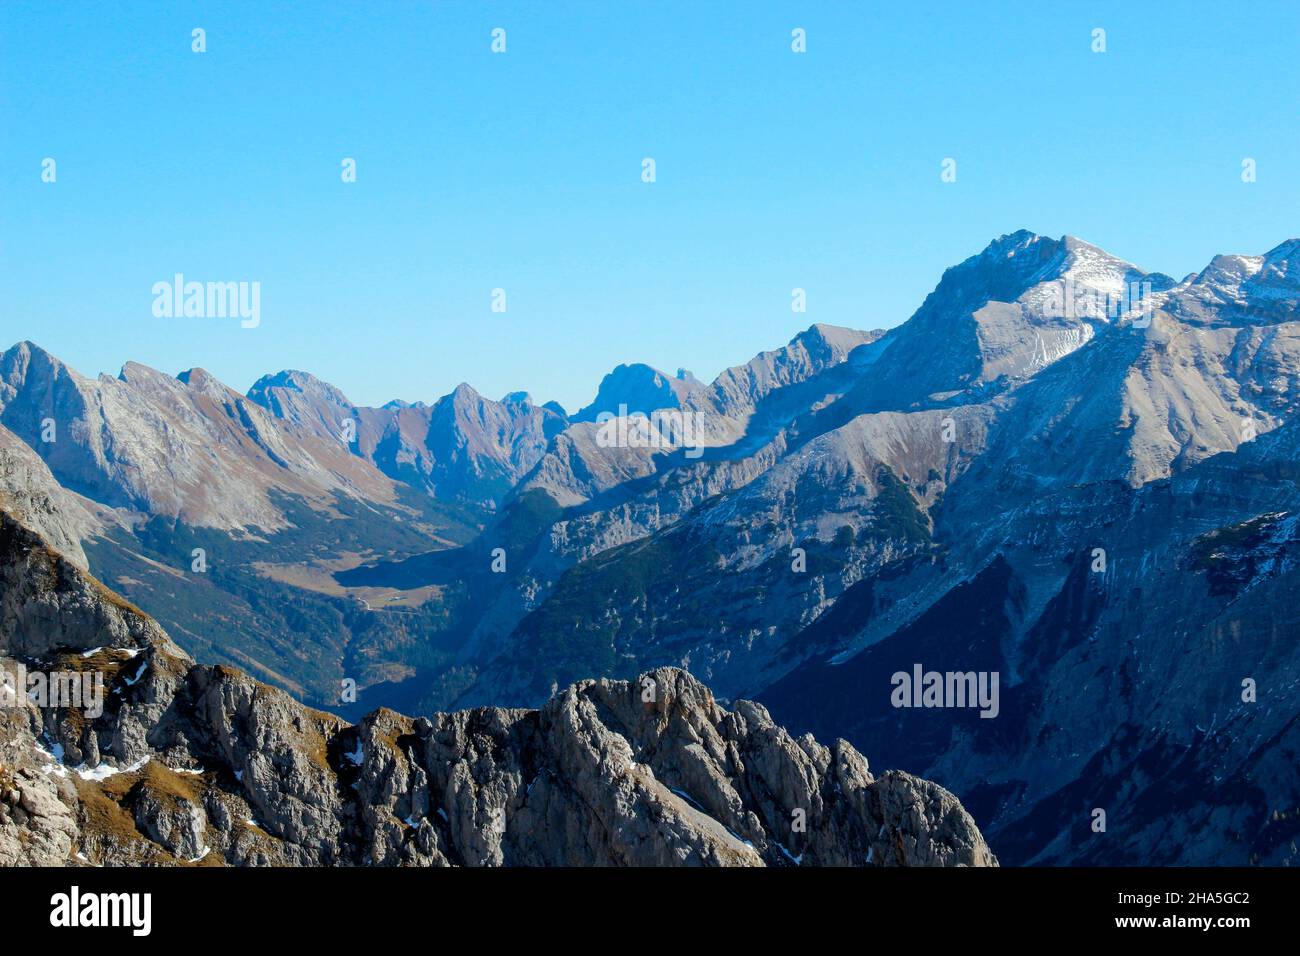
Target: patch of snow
689 799
131 681
104 771
796 860
55 756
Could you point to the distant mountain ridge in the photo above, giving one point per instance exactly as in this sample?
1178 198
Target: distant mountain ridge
640 389
463 446
186 447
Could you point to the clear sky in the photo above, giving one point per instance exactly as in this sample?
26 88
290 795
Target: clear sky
522 171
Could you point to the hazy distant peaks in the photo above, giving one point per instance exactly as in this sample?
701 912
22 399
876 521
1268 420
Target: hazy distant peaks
639 388
306 383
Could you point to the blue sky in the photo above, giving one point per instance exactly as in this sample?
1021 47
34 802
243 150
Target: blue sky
522 171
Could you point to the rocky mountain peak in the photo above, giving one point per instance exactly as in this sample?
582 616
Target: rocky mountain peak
1014 266
1241 289
266 390
27 360
1286 252
1020 243
1229 272
829 344
1279 273
464 392
202 382
639 388
135 372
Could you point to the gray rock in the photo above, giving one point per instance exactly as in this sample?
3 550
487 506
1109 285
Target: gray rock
203 763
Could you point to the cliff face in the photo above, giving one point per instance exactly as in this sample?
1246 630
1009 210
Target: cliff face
185 448
198 764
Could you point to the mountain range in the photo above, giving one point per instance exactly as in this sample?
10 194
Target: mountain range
1096 504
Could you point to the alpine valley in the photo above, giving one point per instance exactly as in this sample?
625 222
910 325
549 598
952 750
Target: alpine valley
1099 507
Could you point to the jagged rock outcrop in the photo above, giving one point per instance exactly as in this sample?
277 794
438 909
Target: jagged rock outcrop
196 764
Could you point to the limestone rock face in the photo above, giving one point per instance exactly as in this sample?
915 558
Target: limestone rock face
186 448
194 764
29 491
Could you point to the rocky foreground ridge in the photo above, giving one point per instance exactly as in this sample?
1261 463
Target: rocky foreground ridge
195 764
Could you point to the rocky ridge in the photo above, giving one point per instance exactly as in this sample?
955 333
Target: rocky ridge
462 447
202 765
